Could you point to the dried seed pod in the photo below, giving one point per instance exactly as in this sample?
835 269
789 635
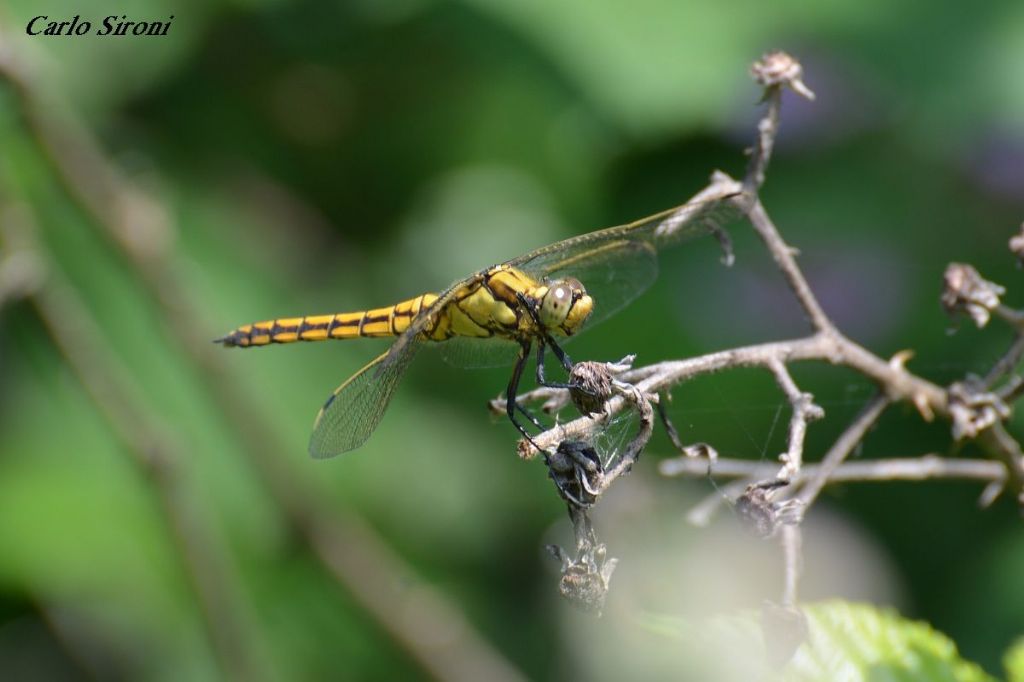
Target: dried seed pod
966 291
776 69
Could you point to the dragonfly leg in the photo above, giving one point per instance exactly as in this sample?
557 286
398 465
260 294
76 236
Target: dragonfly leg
541 380
510 394
565 363
529 416
559 353
670 428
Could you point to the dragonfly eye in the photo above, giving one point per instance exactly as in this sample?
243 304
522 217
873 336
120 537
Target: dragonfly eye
565 306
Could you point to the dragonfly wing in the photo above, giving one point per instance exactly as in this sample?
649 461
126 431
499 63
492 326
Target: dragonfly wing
423 322
618 263
614 273
355 409
474 353
660 230
692 219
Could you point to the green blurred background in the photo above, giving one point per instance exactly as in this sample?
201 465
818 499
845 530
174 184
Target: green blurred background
312 157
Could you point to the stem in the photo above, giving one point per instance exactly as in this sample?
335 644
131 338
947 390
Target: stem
844 445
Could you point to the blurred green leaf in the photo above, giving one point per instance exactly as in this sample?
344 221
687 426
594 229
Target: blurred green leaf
645 63
99 72
845 641
860 642
1014 662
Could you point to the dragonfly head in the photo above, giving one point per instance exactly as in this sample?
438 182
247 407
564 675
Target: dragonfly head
565 306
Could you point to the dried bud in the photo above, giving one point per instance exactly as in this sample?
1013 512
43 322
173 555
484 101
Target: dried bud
590 386
576 469
777 69
973 410
760 514
966 291
1017 245
585 579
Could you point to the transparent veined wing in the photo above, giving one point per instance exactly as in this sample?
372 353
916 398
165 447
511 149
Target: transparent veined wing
355 409
659 230
477 353
423 321
618 263
614 274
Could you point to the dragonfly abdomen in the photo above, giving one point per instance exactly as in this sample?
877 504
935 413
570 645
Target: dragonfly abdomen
378 322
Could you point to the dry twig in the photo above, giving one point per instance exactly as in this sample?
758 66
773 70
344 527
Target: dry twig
777 499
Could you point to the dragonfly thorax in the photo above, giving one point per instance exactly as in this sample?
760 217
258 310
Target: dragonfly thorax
564 305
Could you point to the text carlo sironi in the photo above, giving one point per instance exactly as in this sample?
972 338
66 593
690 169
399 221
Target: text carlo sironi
110 26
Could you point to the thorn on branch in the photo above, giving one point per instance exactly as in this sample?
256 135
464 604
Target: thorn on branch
900 358
966 291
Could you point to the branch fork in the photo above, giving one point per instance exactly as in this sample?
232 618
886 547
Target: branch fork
775 499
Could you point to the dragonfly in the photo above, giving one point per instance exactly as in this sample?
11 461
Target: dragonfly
494 316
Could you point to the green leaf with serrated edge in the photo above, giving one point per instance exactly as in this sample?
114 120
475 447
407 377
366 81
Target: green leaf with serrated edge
845 641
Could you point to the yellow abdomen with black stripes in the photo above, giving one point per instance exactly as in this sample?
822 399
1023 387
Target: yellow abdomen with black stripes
488 304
